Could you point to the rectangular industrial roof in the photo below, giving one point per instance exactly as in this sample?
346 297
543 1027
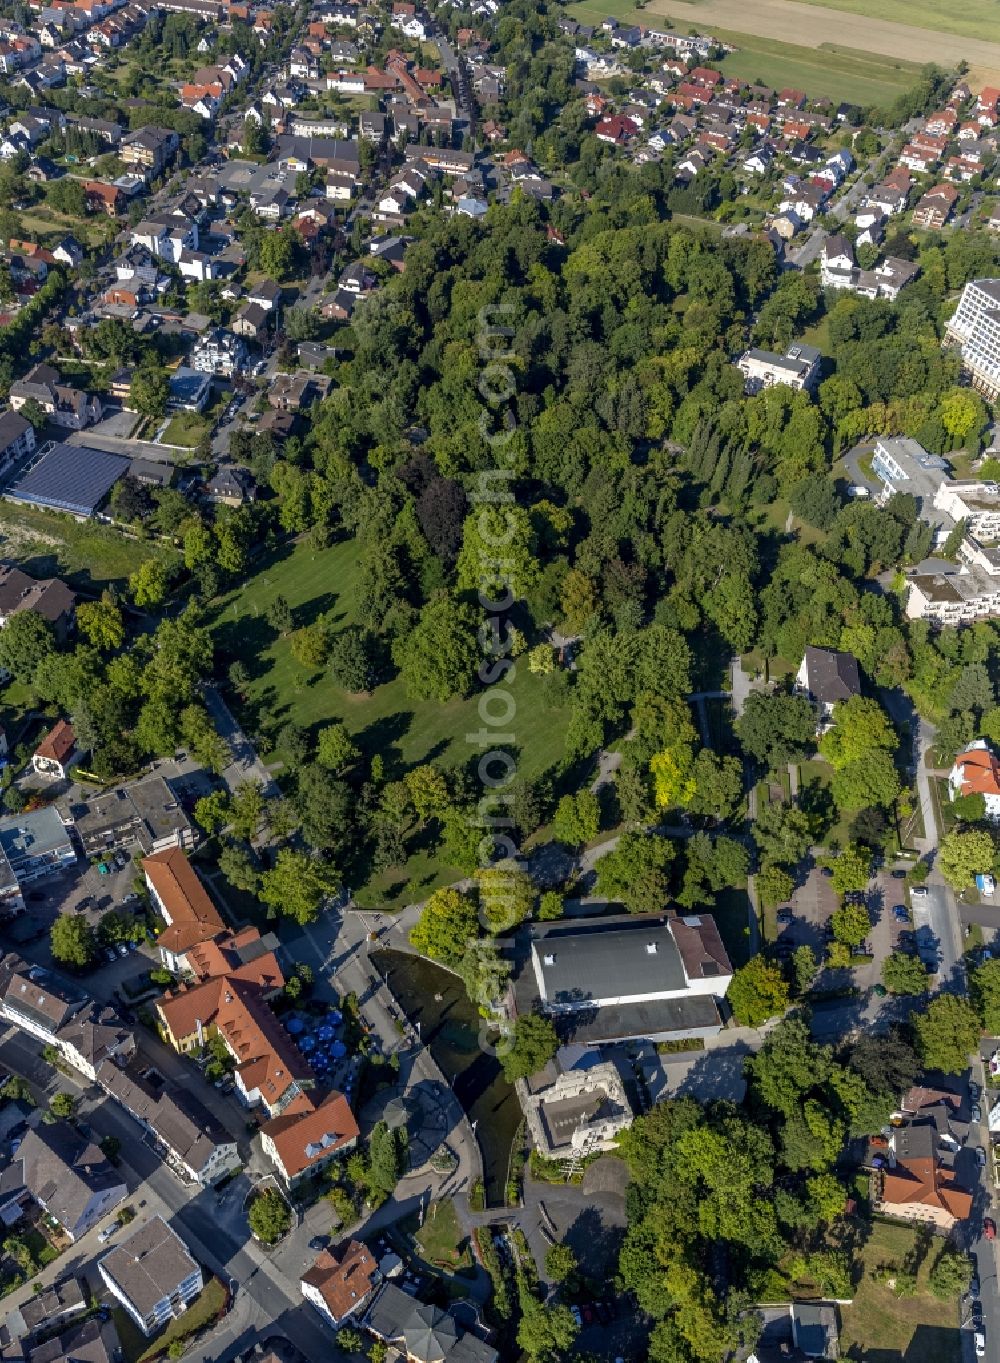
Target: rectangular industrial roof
615 959
74 478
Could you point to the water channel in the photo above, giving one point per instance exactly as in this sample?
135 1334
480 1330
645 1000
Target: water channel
449 1026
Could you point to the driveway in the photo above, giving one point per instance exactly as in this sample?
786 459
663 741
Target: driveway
246 765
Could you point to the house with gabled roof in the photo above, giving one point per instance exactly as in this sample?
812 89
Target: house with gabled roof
341 1281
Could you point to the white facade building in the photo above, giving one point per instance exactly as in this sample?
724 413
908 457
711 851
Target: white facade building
975 327
798 368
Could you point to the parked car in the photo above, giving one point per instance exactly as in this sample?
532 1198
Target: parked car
588 1314
575 1312
918 892
974 1285
976 1113
901 913
107 1233
110 955
785 915
973 1092
980 1344
989 1228
318 1242
827 871
898 875
980 1157
123 948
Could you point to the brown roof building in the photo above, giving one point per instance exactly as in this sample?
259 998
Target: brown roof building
48 597
55 754
918 1187
341 1280
299 1145
183 901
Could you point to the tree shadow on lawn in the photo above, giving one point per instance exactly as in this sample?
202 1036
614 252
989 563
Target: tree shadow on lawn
246 639
383 736
310 611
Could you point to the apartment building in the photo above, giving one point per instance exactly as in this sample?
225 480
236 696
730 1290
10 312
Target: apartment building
977 504
152 1274
146 816
903 465
798 368
191 1139
150 150
953 598
975 327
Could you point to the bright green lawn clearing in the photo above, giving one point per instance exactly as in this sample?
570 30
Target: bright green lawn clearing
440 1240
186 428
386 721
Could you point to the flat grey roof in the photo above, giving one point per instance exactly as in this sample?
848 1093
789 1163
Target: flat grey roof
608 959
33 834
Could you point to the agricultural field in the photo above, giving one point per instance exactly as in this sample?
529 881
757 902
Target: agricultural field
823 72
901 32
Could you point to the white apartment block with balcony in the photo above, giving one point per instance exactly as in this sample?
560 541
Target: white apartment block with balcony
798 368
975 328
953 598
977 504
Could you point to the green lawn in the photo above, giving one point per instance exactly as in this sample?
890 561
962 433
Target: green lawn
204 1309
89 556
386 721
186 428
440 1240
882 1326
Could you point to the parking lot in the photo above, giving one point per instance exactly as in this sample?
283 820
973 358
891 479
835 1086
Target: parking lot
805 921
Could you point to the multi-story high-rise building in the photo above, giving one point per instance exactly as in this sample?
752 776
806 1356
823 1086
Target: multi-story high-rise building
975 327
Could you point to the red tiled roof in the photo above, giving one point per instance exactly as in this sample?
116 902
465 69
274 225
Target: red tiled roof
58 743
193 916
344 1276
980 772
304 1140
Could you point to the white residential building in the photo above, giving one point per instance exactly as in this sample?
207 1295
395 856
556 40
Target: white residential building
152 1274
953 598
977 772
977 504
975 327
798 368
219 352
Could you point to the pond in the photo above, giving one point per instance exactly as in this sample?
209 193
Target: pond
449 1026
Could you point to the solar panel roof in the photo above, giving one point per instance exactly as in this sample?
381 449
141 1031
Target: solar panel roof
73 478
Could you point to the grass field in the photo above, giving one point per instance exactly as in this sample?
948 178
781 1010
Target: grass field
88 556
855 77
973 19
880 1325
386 721
893 29
186 428
831 69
